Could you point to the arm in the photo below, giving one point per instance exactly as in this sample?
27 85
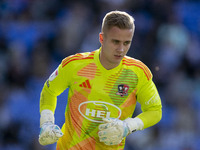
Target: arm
53 87
151 105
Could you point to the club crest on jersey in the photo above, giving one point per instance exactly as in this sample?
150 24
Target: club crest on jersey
122 90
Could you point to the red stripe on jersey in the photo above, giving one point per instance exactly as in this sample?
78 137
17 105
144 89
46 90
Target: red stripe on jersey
133 62
69 58
76 57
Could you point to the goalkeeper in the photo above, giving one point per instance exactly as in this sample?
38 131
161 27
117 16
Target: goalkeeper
104 87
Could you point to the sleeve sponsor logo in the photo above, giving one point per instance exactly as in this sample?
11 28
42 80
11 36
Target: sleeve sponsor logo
96 110
153 100
53 75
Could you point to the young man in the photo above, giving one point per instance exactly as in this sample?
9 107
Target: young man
104 86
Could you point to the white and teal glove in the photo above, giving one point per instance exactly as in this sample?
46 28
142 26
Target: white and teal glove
49 132
113 131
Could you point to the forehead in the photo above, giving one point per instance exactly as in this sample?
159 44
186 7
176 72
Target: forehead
120 34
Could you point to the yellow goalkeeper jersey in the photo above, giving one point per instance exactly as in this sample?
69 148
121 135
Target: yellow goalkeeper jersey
96 93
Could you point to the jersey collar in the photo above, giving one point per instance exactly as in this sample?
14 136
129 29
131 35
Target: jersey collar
97 61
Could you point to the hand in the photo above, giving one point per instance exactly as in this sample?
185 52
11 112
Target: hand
113 131
49 133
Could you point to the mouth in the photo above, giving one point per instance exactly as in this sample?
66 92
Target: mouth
118 56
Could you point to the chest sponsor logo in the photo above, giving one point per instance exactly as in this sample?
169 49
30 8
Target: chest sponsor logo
96 110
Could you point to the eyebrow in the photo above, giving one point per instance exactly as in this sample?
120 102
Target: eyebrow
115 40
128 41
120 41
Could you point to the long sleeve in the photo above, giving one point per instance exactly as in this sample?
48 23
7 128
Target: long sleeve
150 101
54 86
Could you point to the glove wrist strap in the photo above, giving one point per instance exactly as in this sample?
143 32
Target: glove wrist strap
134 124
46 116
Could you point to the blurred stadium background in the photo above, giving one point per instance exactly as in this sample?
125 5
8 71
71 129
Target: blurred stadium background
35 35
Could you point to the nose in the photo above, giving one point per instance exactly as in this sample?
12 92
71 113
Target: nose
120 48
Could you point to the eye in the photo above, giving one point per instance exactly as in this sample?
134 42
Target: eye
127 43
115 41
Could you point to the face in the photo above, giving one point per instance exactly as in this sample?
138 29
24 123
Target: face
115 45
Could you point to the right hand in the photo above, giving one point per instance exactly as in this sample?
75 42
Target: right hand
49 133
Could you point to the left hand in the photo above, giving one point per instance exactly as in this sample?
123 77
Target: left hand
113 131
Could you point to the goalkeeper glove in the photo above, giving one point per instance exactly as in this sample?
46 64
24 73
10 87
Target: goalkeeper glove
113 131
49 133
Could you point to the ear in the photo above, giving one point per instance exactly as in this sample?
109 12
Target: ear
101 38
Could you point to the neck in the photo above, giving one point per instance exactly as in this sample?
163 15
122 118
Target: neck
107 65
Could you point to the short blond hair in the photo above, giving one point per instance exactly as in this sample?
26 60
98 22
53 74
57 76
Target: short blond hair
119 19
